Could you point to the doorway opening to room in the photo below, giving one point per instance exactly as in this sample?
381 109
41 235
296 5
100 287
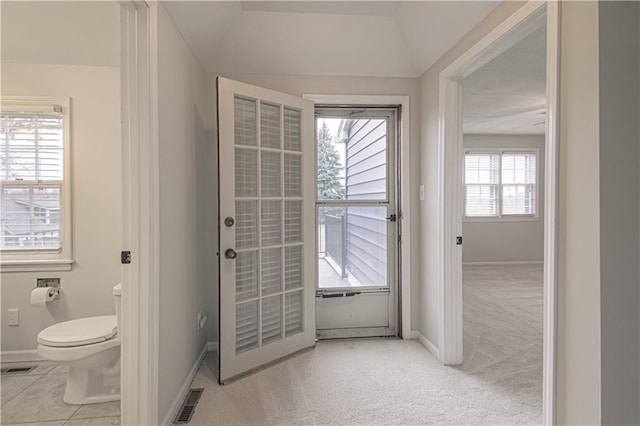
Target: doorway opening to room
356 221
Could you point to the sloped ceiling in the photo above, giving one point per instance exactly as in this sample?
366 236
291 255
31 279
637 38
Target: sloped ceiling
339 38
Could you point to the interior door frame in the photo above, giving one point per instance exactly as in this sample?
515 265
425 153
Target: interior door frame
450 159
139 335
403 189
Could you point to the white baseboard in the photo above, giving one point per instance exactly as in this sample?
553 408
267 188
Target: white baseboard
212 346
426 343
185 386
20 356
504 263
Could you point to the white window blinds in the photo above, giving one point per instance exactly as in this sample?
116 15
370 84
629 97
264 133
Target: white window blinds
31 171
482 173
500 184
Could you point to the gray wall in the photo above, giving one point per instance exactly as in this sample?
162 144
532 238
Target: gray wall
506 240
619 213
188 274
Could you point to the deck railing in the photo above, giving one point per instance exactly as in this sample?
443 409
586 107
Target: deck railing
336 240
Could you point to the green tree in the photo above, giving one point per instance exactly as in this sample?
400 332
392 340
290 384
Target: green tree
329 167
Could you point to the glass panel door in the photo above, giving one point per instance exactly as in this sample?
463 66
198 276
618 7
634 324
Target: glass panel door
355 217
266 282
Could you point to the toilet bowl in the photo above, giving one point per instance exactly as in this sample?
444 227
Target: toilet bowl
90 347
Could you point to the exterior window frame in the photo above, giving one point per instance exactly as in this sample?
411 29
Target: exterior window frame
46 259
500 217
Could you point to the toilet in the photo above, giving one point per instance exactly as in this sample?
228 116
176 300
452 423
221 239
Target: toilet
91 348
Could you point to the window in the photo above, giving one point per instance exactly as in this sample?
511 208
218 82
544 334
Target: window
501 183
34 179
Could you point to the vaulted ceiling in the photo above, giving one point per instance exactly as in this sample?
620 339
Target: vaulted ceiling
346 38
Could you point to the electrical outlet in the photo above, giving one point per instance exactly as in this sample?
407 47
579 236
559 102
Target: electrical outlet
14 317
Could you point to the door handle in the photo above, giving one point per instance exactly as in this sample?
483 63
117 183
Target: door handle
230 254
228 222
391 218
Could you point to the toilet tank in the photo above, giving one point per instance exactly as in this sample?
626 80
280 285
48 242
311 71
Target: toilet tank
117 296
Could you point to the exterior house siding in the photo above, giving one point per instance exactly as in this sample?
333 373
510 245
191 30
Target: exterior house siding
366 177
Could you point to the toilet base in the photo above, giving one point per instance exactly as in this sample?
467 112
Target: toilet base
94 385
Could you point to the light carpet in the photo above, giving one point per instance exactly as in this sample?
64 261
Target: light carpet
393 381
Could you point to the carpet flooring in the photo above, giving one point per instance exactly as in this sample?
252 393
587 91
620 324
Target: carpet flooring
393 381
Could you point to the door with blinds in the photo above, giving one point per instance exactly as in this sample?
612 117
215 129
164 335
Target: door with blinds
267 239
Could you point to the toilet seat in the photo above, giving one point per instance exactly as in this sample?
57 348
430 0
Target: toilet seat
79 332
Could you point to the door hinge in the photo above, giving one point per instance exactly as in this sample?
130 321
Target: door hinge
125 257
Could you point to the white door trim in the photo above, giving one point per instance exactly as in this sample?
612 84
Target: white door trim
404 139
139 334
450 157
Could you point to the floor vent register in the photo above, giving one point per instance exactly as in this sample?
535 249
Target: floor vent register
188 406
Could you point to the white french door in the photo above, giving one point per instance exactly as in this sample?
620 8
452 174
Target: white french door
267 236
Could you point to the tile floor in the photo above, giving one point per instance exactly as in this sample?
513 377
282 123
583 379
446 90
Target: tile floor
35 398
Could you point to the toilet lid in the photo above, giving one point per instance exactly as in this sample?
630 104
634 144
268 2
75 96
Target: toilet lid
83 331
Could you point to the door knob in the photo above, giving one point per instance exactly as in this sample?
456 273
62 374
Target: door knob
228 222
230 254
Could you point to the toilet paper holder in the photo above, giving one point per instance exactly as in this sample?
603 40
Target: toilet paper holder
50 282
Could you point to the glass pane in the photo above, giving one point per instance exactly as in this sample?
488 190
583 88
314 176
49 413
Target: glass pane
246 164
293 221
271 318
271 270
245 121
352 159
293 313
246 224
352 247
246 275
518 168
269 125
292 175
518 199
270 174
32 146
481 168
292 267
481 200
246 326
30 216
292 132
271 222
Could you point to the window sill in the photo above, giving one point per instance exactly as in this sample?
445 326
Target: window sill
501 219
35 265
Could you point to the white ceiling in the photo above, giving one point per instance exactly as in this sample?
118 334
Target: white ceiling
345 38
507 96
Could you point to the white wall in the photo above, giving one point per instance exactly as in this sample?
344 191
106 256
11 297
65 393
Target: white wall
619 212
188 211
91 79
506 240
299 85
426 298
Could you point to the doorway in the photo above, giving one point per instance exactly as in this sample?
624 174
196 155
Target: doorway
356 221
522 23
